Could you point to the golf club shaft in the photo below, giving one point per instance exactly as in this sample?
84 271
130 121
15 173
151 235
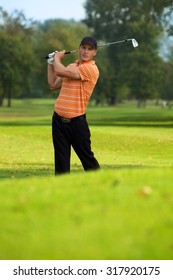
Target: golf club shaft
103 45
113 43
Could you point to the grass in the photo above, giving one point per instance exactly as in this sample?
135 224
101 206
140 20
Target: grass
123 211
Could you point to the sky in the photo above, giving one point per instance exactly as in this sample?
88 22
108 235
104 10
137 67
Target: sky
46 9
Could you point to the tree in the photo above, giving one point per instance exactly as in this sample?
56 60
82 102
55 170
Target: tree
144 67
15 55
137 69
50 36
167 81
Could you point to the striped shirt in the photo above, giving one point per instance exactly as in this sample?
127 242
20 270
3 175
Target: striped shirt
75 94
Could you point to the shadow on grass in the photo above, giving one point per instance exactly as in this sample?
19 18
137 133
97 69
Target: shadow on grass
26 123
134 120
25 173
39 171
130 121
131 124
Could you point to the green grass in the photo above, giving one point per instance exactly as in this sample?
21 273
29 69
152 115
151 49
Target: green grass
123 211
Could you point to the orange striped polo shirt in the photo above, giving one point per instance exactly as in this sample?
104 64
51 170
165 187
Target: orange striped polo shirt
75 94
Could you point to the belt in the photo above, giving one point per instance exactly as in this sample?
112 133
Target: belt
69 120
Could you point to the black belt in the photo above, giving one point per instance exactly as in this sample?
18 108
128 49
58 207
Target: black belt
69 120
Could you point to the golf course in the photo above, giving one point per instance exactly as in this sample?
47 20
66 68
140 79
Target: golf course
121 212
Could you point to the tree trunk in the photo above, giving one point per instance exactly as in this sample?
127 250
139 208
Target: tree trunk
1 99
141 103
9 98
113 101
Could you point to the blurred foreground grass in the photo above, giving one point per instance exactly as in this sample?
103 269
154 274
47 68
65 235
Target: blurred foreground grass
124 214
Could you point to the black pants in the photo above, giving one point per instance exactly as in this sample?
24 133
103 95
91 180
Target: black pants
74 133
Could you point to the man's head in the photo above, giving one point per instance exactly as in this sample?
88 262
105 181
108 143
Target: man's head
88 48
90 41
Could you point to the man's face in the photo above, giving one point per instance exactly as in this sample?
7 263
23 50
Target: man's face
87 52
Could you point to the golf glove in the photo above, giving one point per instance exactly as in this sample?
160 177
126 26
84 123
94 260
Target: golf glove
50 60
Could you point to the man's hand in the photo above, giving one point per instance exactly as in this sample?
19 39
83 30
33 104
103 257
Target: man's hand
50 60
59 56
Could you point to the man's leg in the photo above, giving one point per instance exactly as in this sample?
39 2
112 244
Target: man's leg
62 148
82 145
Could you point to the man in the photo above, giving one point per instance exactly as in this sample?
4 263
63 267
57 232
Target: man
69 125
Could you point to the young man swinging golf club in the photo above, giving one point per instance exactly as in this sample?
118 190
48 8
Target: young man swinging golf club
69 125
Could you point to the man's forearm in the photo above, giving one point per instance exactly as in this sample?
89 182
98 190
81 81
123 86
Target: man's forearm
59 68
53 80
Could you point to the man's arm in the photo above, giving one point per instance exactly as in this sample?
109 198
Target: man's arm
62 71
54 81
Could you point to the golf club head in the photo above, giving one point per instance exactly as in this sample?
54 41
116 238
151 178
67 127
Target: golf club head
134 43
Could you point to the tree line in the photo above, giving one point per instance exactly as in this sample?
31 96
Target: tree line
125 73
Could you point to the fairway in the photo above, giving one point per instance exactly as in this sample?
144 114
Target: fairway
123 211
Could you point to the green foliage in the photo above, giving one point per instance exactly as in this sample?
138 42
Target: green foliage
124 71
16 57
50 36
137 69
23 46
167 82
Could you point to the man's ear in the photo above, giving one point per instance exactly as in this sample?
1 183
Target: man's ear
95 52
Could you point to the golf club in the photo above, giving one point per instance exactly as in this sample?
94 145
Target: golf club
134 43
